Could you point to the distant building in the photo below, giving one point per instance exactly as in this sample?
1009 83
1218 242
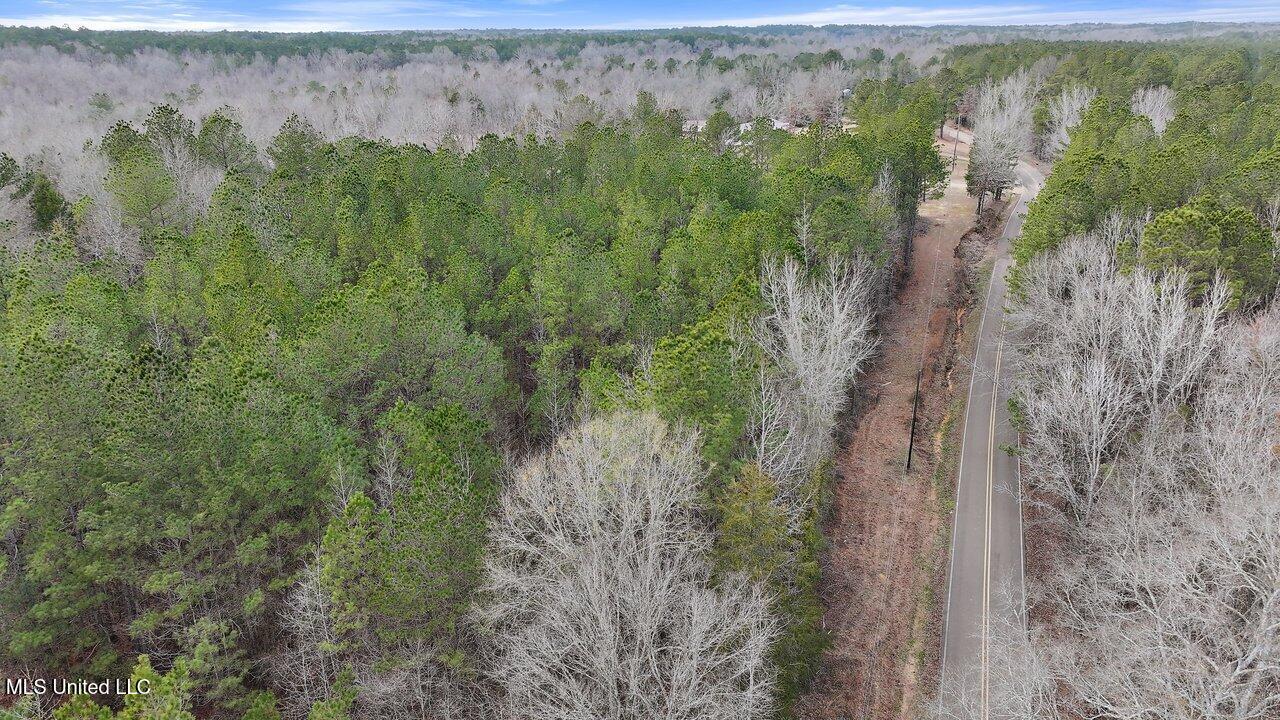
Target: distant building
777 125
691 127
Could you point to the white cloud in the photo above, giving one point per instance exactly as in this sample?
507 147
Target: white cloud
290 16
358 15
386 9
988 14
177 21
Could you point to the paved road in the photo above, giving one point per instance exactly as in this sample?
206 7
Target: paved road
986 548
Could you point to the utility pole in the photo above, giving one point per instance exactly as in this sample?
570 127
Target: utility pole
915 406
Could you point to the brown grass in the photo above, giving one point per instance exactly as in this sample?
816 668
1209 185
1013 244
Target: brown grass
886 523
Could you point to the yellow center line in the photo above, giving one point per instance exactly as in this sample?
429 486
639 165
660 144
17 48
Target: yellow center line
986 550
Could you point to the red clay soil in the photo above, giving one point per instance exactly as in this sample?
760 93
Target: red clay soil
884 524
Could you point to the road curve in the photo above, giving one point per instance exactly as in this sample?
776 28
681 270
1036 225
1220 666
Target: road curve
985 586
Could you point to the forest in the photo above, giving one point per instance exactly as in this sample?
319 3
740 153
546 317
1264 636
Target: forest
447 376
1147 393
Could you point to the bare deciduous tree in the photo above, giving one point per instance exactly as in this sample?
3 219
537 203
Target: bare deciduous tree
1102 352
194 180
1002 133
1171 595
1155 103
815 334
307 667
1164 596
1271 219
1065 112
600 593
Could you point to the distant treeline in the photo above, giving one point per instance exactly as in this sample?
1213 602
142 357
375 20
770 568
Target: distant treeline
396 46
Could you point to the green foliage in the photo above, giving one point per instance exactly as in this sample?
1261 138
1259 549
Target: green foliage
754 539
797 654
715 132
155 696
121 140
9 171
897 124
144 188
216 660
695 380
1257 181
262 706
246 294
811 61
1206 237
173 285
80 707
297 150
167 130
222 143
405 567
168 698
24 709
367 321
47 203
393 336
338 706
1203 181
190 487
101 102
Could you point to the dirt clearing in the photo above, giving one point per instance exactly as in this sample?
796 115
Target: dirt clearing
885 522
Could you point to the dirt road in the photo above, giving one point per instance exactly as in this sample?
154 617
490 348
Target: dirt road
885 521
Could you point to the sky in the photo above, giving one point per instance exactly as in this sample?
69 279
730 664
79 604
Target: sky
360 15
